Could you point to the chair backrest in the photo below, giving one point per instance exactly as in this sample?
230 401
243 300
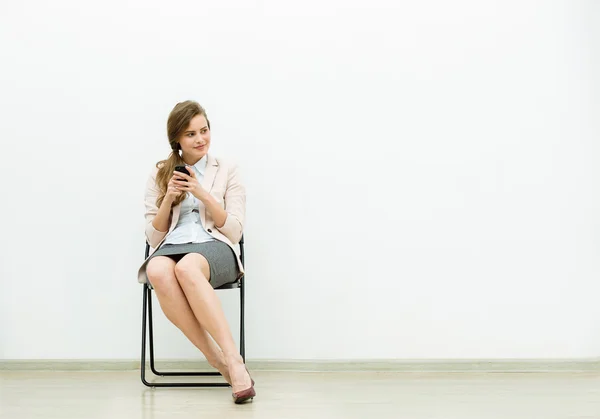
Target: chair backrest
241 243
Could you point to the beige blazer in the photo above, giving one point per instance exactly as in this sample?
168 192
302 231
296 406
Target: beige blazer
223 182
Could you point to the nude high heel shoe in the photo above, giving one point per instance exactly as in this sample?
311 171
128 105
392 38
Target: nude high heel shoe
245 396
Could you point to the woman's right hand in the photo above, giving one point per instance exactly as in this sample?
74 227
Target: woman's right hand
172 191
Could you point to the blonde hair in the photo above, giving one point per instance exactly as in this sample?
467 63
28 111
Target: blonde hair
179 119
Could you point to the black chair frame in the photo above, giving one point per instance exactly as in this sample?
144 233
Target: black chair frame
147 319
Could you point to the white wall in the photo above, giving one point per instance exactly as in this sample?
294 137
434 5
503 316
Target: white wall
422 176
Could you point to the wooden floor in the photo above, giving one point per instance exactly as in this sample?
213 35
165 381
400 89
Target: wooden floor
286 395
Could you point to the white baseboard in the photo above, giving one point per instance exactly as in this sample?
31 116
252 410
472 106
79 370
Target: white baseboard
391 365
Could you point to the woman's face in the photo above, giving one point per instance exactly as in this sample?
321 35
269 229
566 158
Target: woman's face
195 140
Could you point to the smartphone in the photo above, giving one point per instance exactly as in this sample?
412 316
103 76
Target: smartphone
182 169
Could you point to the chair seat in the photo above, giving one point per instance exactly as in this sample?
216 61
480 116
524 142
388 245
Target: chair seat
230 286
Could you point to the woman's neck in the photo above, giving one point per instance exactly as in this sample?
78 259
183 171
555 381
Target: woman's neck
191 162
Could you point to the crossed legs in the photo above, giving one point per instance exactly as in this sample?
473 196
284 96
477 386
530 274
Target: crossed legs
190 303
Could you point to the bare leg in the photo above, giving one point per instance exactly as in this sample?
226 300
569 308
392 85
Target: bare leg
193 274
161 272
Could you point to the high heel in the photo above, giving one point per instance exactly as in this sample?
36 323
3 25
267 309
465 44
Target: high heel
244 396
247 395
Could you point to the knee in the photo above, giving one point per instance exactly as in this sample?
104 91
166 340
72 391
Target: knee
160 275
189 271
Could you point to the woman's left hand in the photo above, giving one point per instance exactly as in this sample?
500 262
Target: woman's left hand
190 184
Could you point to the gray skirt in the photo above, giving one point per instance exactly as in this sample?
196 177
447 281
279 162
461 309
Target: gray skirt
221 259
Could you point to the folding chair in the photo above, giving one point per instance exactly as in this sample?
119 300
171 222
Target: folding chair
147 314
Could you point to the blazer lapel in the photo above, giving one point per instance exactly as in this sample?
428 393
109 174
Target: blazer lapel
210 173
207 183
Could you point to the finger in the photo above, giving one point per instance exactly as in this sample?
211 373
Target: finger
179 176
183 178
191 172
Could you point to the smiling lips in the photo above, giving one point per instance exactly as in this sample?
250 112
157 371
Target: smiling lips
200 147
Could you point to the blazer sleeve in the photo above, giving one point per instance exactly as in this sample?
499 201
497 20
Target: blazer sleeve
235 206
153 236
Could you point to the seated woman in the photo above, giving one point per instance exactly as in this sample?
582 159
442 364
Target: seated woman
193 222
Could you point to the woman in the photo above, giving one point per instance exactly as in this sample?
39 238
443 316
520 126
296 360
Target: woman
193 221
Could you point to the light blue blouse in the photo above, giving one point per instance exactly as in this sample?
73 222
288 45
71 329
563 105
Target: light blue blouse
189 227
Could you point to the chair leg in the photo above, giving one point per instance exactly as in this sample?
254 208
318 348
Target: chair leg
147 311
242 322
151 333
143 361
